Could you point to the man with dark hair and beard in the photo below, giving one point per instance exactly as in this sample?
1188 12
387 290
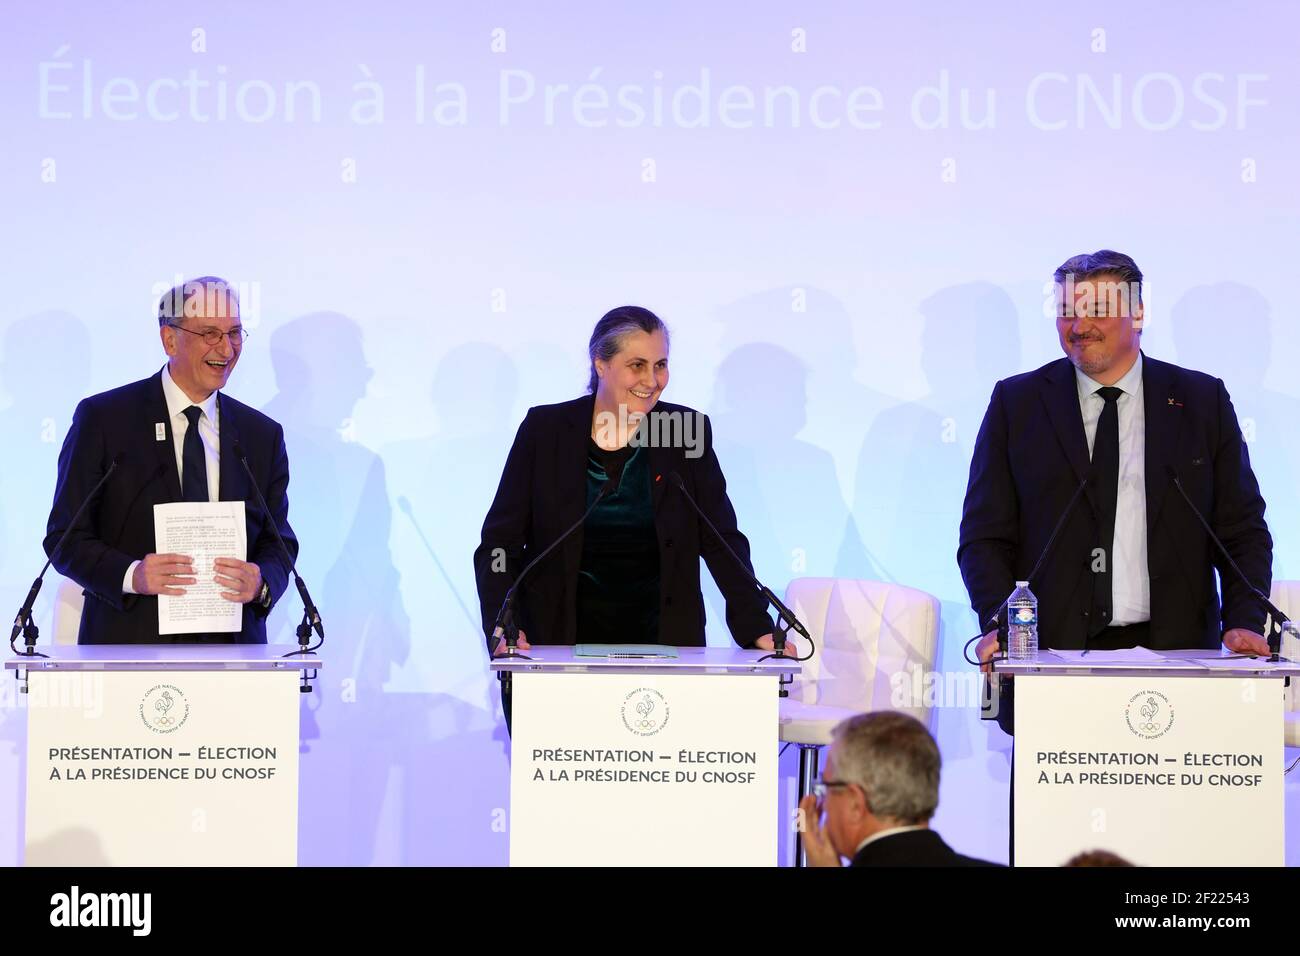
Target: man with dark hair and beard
1133 567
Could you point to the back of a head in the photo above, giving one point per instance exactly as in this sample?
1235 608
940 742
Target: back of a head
1090 858
895 760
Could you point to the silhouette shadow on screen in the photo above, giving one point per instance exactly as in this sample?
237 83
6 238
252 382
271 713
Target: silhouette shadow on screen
1268 418
45 370
443 484
338 506
910 484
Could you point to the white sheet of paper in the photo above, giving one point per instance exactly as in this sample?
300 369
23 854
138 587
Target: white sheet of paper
1233 662
1127 655
204 531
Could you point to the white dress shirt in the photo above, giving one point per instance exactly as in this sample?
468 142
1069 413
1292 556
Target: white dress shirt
1130 577
209 434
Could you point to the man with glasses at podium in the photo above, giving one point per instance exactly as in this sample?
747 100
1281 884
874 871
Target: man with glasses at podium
173 437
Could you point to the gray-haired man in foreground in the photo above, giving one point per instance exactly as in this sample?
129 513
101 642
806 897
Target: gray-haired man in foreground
879 790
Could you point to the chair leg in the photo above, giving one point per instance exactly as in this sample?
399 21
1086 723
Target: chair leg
808 760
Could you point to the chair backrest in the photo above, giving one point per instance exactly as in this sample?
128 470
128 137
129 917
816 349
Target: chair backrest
871 639
68 602
1286 595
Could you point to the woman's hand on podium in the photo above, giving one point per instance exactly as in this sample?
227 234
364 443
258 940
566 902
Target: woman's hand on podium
523 644
1241 641
768 643
163 574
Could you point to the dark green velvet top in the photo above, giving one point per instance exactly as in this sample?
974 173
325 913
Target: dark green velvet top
618 579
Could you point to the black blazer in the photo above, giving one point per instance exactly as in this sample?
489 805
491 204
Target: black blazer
543 491
913 848
1029 458
118 528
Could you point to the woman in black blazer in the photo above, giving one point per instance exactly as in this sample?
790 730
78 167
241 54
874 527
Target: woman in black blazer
631 573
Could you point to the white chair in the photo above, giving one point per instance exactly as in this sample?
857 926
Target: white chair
873 640
1286 595
68 603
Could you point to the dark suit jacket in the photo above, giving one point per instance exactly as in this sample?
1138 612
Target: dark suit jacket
118 527
1029 458
543 491
913 848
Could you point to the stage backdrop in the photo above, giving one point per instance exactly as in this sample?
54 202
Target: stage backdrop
846 212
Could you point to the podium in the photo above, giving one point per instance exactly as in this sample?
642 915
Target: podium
1171 760
162 754
644 762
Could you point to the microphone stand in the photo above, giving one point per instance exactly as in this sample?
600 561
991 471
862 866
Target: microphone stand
995 622
506 615
23 622
310 616
1280 623
993 682
786 620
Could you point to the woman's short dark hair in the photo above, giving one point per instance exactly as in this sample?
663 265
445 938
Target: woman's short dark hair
610 333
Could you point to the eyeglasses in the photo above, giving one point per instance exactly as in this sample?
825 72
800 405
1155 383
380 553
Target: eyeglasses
824 786
213 337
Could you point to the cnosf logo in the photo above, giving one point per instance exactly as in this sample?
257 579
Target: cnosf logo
103 909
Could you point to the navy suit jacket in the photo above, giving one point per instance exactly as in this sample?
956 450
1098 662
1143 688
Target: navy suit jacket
543 490
1031 455
913 848
118 527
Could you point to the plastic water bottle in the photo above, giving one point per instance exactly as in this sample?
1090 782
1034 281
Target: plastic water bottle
1289 645
1022 623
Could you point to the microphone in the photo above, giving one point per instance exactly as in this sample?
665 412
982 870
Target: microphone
994 689
783 612
506 616
23 622
1280 620
310 616
995 622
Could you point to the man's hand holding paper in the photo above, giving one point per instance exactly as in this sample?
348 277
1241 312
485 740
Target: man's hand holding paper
163 574
242 579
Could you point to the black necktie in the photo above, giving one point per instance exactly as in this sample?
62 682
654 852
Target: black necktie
194 466
1105 462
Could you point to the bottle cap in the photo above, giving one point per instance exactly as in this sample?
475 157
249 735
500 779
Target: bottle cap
1022 584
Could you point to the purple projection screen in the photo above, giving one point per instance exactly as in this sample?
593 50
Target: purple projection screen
848 214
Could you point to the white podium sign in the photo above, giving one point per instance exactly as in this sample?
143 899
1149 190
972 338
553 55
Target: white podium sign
643 769
1169 771
162 767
